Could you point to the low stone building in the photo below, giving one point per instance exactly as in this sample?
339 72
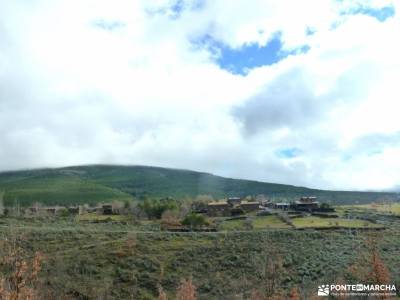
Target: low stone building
281 205
306 204
73 210
249 206
232 201
47 210
231 206
218 209
107 209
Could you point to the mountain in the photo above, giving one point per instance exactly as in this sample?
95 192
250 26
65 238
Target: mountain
101 183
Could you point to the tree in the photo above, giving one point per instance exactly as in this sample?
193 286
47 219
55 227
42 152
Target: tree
118 206
325 206
294 294
269 267
195 220
370 268
379 272
170 217
1 203
201 201
21 279
161 294
256 295
155 208
186 290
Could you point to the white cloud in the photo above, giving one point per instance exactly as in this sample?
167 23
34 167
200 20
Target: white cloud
91 82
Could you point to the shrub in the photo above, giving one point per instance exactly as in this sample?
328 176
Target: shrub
21 277
186 290
155 208
195 220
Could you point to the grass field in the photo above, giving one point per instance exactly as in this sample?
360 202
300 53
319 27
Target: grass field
269 222
393 209
254 223
59 190
97 217
110 261
312 221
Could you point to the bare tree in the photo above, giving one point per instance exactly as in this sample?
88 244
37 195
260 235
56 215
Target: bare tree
370 267
161 294
22 282
186 290
1 203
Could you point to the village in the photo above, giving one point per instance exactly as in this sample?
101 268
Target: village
199 232
231 206
229 214
235 206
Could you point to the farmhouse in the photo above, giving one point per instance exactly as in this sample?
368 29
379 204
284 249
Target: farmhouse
232 201
73 210
306 204
107 209
231 207
281 205
91 209
249 206
218 208
47 210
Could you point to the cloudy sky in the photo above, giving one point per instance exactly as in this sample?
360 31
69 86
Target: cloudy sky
300 92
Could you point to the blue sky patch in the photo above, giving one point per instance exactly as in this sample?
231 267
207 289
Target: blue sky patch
249 56
108 25
380 14
176 8
288 152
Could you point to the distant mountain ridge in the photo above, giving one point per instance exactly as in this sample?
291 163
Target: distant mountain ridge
101 183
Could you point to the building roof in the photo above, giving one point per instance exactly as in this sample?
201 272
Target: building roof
217 203
249 202
306 202
308 198
282 204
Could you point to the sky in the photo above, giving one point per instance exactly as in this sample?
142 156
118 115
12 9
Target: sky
296 92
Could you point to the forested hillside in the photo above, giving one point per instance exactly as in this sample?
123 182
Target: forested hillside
97 183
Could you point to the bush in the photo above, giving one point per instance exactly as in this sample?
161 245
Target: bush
195 220
155 208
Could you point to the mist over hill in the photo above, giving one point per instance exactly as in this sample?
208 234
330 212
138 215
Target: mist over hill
100 183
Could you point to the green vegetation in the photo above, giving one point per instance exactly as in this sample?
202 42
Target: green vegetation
274 222
92 256
317 222
234 225
94 217
269 222
384 208
195 220
111 261
61 189
155 208
101 183
254 223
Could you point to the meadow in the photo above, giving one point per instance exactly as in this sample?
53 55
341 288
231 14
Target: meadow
384 208
121 258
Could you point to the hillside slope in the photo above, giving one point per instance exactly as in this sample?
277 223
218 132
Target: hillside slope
97 183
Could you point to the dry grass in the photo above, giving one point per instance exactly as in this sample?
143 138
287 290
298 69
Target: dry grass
310 222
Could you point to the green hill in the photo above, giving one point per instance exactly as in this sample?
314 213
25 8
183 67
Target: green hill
97 183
